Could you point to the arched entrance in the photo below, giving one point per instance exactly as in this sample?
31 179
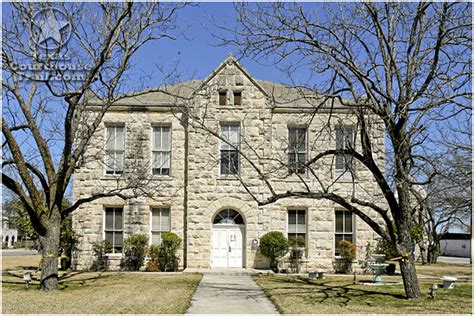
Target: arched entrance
228 231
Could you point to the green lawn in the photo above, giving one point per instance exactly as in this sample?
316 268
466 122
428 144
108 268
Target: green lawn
103 293
338 294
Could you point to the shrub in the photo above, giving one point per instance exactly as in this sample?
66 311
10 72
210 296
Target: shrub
384 247
67 242
365 264
134 250
100 250
170 243
154 254
152 266
347 252
273 245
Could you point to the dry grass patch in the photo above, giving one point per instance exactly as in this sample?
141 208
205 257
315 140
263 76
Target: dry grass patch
101 293
440 269
20 262
337 295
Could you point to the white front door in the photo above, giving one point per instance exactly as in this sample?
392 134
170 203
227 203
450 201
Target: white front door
227 246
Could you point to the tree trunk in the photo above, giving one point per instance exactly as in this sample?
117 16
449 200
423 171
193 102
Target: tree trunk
433 253
423 254
410 280
50 248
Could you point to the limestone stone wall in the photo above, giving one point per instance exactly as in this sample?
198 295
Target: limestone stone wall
264 134
168 191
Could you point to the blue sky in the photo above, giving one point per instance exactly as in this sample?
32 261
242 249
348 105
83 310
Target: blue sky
199 54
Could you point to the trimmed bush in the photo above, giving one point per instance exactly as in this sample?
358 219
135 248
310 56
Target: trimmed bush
153 253
100 250
134 250
273 245
170 243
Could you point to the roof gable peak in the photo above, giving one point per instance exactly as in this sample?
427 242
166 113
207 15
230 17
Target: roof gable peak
230 59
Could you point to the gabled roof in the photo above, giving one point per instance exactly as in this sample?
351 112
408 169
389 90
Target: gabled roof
231 60
280 95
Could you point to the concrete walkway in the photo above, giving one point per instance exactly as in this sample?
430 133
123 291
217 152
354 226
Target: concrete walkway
229 294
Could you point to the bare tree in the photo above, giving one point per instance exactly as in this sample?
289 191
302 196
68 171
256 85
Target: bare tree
56 58
446 201
405 66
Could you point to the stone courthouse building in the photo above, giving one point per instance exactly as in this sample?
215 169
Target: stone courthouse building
200 186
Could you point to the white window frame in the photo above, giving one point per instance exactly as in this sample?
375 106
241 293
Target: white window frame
305 210
348 160
151 231
237 148
107 168
114 230
161 151
290 151
343 228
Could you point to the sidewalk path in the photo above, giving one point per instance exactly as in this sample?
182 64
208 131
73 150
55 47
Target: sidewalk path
229 294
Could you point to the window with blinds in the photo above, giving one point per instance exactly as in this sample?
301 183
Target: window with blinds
297 149
113 228
296 223
161 150
343 228
344 140
229 149
114 149
160 222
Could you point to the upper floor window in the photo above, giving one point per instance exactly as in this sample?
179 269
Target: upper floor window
237 97
222 97
161 150
160 222
114 149
229 149
296 223
344 228
344 140
297 149
113 228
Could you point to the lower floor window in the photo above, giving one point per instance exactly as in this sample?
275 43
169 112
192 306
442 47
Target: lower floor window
296 227
343 229
114 228
160 222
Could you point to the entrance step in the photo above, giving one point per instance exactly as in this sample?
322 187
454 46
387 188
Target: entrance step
227 271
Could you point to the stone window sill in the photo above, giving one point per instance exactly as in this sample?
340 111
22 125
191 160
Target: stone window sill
114 255
228 178
161 178
230 107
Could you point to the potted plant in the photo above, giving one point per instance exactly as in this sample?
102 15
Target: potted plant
297 244
297 247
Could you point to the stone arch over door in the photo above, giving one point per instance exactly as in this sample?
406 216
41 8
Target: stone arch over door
227 234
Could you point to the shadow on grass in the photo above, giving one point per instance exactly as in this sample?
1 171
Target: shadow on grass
321 292
64 282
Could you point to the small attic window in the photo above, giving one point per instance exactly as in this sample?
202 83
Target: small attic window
222 97
237 98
